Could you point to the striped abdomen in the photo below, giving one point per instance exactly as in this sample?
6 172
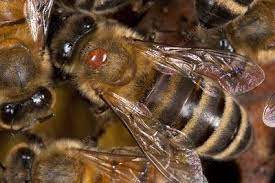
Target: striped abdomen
217 126
213 13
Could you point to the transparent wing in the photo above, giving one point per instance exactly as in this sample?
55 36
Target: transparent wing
269 112
38 15
234 73
162 145
120 166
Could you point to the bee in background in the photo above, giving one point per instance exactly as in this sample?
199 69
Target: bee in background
214 13
251 34
157 89
71 161
25 96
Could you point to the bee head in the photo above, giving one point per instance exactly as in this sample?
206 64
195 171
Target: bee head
24 113
24 81
19 164
65 42
103 58
253 34
90 48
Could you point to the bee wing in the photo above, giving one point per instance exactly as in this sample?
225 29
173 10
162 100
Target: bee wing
109 6
118 166
269 112
38 15
167 154
11 11
234 73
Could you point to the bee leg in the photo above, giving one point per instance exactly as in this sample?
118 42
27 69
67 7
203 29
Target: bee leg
101 114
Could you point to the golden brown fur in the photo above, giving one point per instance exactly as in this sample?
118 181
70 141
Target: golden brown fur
216 13
132 75
233 6
253 34
24 65
72 162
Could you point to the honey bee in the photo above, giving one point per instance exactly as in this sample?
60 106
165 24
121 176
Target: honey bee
25 95
73 162
214 13
157 89
251 34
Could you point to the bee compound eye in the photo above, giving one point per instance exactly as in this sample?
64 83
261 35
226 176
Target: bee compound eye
95 58
9 112
42 98
66 50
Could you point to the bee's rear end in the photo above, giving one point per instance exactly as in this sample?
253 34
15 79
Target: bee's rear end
217 126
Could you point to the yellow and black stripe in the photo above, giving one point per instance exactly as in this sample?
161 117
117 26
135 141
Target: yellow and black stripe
217 126
213 13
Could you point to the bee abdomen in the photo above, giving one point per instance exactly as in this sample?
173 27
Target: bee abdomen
216 125
231 136
206 117
213 13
